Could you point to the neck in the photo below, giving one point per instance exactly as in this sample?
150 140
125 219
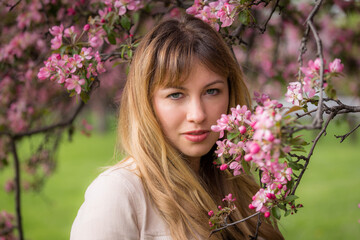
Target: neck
194 163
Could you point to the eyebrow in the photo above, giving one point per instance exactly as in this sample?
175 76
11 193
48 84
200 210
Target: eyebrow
207 85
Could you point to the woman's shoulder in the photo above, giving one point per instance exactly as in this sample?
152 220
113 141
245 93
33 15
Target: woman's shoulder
114 204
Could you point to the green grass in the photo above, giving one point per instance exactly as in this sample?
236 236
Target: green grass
329 191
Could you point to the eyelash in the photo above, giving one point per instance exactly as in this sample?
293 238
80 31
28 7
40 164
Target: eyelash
213 89
179 94
171 96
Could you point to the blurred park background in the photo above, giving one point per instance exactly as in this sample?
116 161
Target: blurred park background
57 166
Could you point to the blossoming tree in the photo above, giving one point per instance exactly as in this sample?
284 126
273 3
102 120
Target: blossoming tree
55 53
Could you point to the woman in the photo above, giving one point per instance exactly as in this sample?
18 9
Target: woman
181 79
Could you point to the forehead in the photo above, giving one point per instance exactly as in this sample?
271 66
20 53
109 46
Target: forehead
196 73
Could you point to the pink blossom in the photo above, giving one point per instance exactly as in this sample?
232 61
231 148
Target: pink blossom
96 41
100 68
195 8
56 30
222 147
265 177
86 53
237 167
259 201
56 42
222 124
90 70
44 73
229 198
309 87
71 11
69 31
211 213
294 93
9 186
225 15
336 66
74 83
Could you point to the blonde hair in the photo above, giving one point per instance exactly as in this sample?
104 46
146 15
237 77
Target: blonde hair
183 198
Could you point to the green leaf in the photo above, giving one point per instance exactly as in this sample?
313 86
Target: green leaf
129 53
293 109
291 198
287 212
276 212
290 184
246 167
115 64
125 22
295 166
233 135
63 49
122 51
106 28
282 206
84 97
111 38
73 93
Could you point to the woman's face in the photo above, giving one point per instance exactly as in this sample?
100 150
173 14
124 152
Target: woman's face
187 112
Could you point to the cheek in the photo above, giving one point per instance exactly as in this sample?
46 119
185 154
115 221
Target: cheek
169 118
221 107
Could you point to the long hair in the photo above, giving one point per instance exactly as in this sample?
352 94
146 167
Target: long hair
165 57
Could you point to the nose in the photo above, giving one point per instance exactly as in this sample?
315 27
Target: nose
196 111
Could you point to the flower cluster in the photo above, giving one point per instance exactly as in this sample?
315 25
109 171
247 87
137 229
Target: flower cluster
310 84
256 139
7 225
73 72
221 10
219 218
121 6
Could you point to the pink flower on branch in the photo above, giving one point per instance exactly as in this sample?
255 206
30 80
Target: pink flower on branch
336 66
74 83
294 93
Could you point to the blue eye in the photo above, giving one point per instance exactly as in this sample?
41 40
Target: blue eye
175 95
212 91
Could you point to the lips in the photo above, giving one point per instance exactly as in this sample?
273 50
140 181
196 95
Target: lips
197 135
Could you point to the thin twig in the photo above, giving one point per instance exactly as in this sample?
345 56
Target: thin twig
17 189
257 229
343 137
13 6
307 160
234 223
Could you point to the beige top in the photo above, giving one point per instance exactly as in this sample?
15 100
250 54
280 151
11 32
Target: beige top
116 207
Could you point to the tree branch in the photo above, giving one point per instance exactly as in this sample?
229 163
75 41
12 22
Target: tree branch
233 223
17 189
343 137
307 159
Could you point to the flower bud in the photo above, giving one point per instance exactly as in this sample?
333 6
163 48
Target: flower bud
223 167
251 206
267 214
254 148
86 27
280 186
211 213
270 196
248 157
242 129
